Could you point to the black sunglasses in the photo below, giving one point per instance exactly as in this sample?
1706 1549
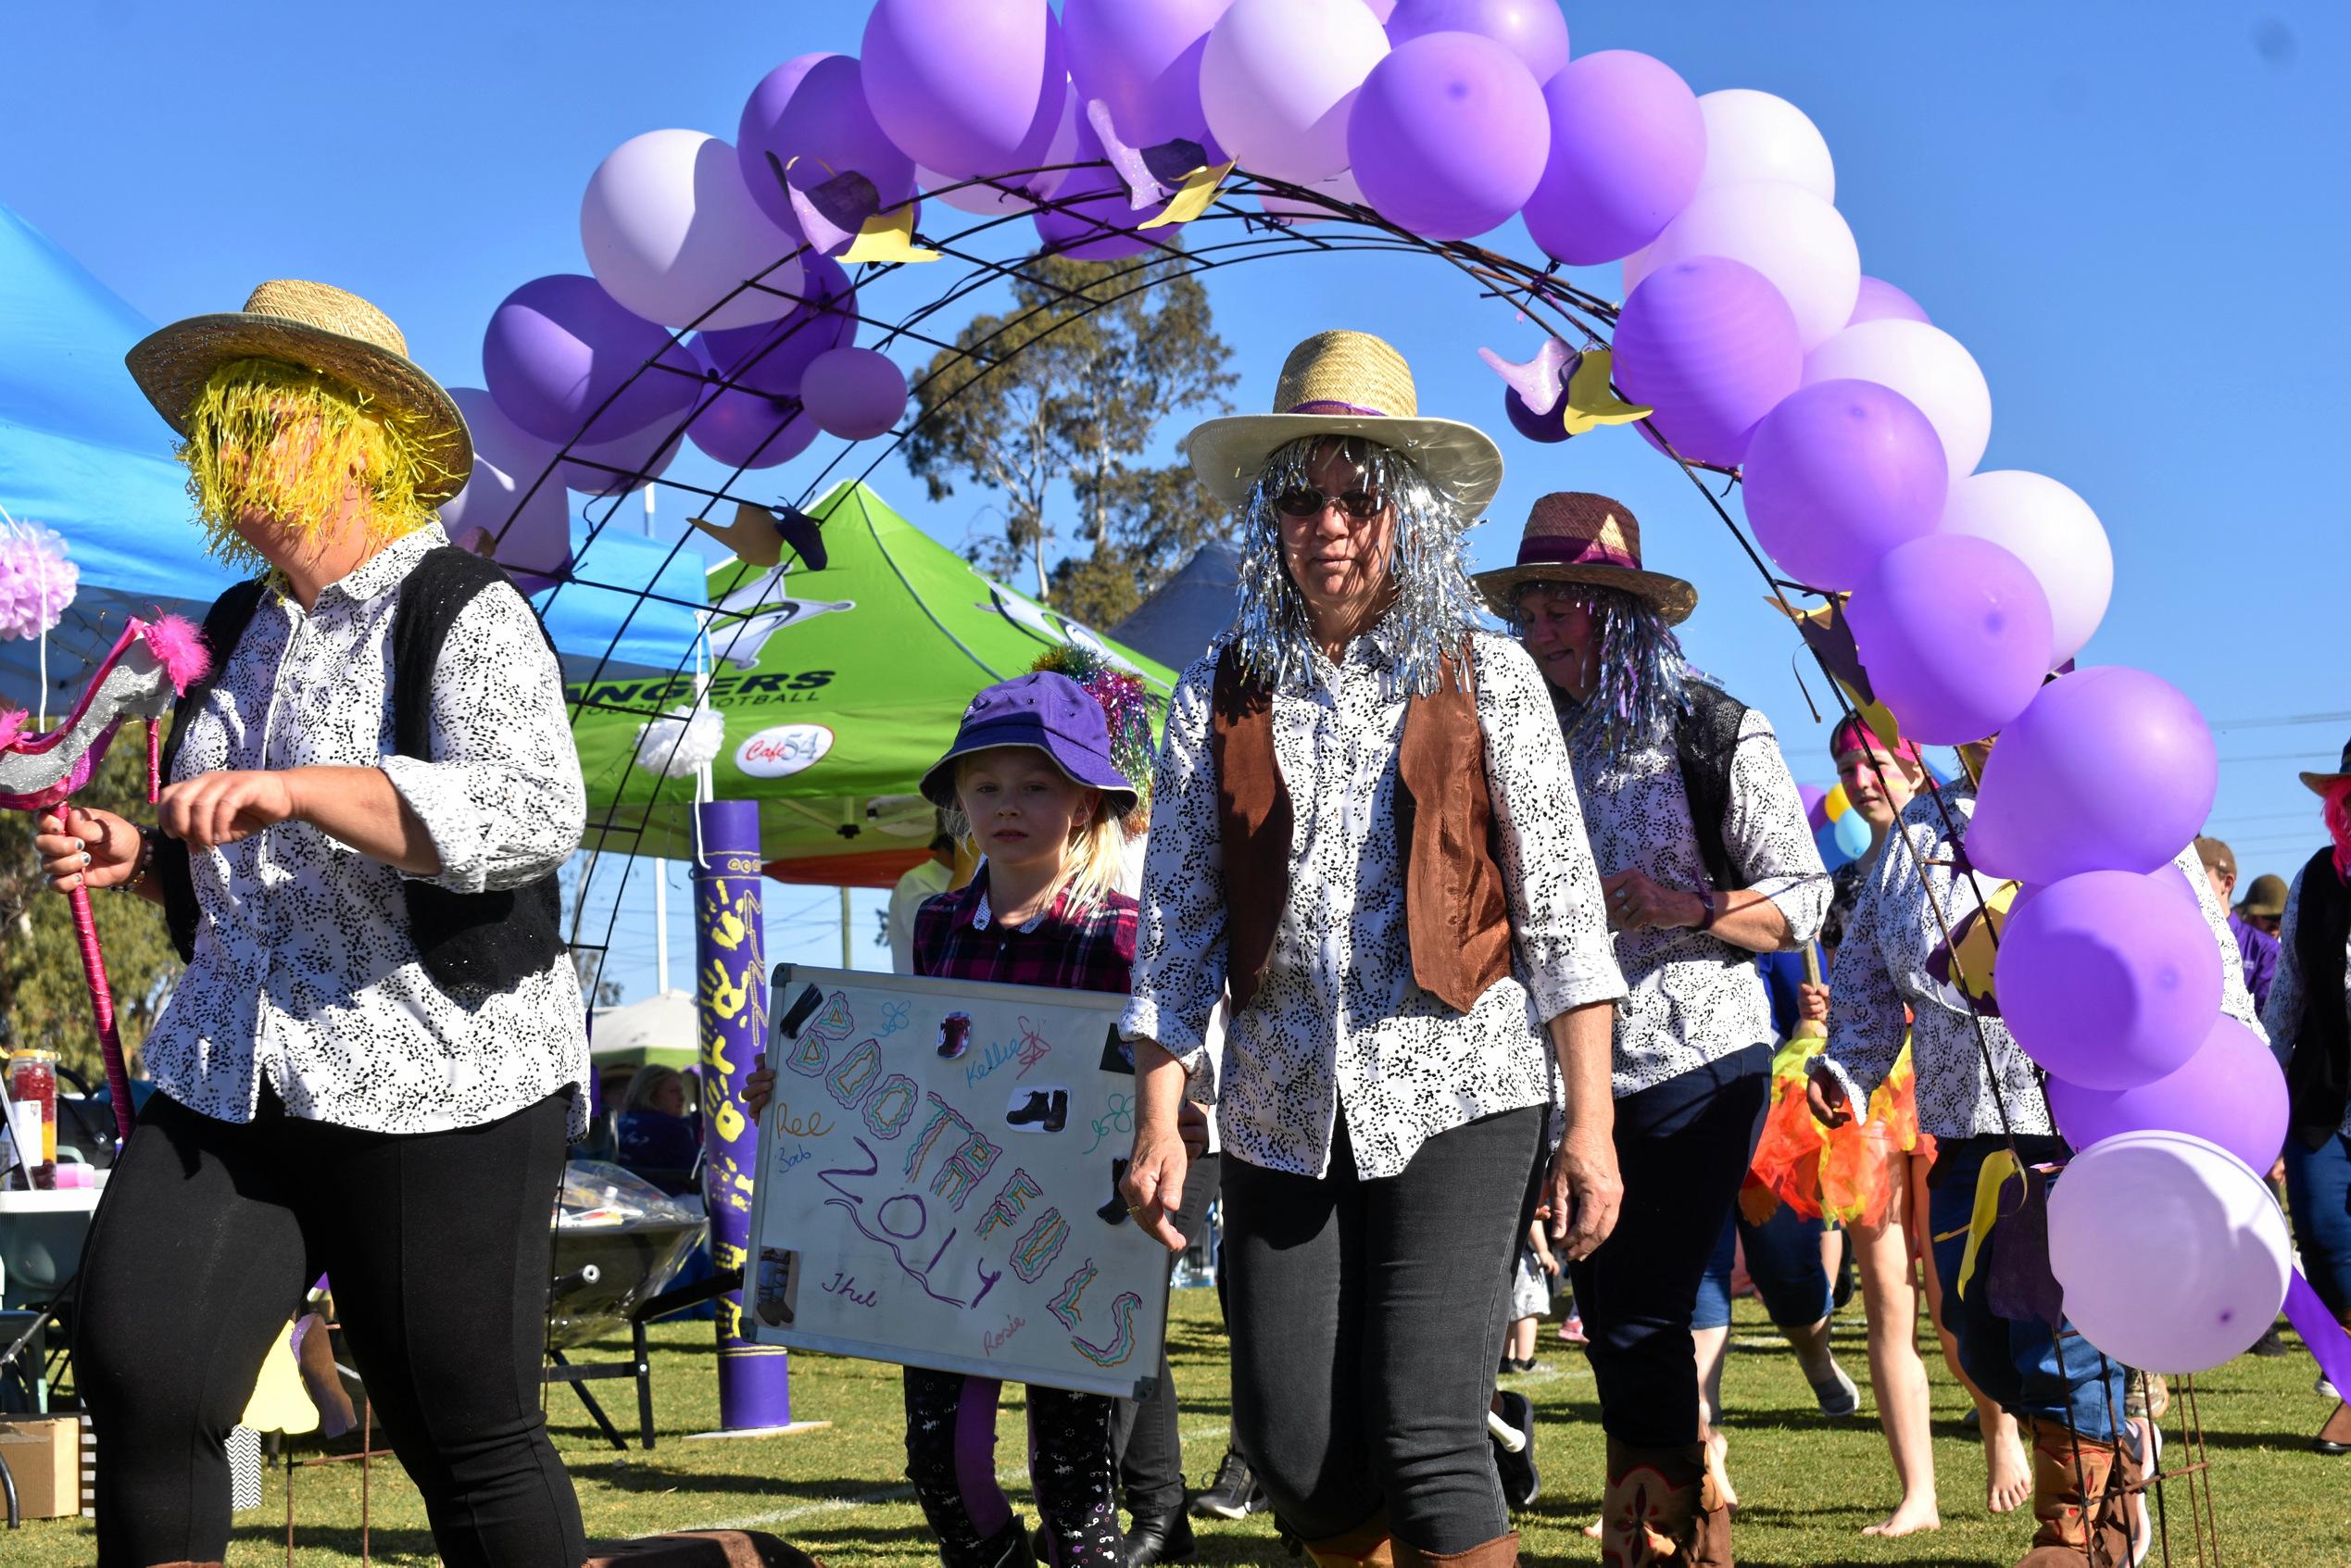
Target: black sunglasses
1305 501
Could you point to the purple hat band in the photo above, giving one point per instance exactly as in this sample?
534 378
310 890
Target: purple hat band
1559 550
1045 711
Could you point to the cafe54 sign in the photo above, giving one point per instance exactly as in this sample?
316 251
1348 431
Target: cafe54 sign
782 751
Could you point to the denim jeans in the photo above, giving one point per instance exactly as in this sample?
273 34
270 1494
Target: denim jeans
2015 1361
1783 1258
2318 1190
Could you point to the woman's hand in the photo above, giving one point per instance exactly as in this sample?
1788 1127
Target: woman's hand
1826 1098
758 1086
214 808
1153 1185
1635 903
1582 1194
1812 1002
81 848
1191 1124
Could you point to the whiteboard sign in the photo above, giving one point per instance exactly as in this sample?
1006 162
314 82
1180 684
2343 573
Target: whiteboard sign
936 1185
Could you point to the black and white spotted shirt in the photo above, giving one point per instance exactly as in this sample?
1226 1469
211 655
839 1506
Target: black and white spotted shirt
1887 986
1694 999
304 970
1339 1023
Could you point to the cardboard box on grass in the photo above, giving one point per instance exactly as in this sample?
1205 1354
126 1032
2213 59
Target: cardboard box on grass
43 1455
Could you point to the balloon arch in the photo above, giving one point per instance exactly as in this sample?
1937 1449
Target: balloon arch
1173 138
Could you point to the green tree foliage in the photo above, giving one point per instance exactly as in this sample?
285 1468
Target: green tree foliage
1051 405
44 1001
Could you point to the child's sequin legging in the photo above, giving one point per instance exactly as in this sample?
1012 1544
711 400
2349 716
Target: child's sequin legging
951 1457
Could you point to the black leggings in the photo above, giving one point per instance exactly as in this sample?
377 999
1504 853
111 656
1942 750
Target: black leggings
1364 1317
438 1245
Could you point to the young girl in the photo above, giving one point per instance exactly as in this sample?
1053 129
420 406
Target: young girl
1030 779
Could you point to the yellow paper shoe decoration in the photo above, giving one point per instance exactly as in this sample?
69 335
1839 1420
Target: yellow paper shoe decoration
1192 197
1591 401
888 237
280 1404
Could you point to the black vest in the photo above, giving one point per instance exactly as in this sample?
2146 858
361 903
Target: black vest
1705 743
475 945
2318 1073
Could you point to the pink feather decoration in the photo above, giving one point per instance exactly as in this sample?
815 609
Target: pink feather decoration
179 646
13 722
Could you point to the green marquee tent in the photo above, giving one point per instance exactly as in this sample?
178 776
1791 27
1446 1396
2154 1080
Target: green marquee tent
837 688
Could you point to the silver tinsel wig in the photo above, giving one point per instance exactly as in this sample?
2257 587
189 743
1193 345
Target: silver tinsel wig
1642 689
1434 607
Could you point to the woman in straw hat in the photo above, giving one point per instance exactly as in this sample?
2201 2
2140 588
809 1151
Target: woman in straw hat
1706 858
2310 1023
378 1051
1361 840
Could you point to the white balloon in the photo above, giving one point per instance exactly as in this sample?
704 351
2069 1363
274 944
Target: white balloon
507 445
1278 77
507 460
989 202
1925 365
669 229
1789 235
2054 532
1752 135
2172 1254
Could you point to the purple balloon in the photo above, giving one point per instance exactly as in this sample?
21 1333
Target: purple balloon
1091 218
1880 301
1628 146
1545 428
744 430
1535 31
557 347
2230 1092
1142 58
615 467
1448 135
769 357
1953 634
1838 474
1712 346
965 89
2108 979
855 393
1816 802
813 110
2110 769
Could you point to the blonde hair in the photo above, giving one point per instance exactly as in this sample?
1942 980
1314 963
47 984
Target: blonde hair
648 1083
1091 861
251 408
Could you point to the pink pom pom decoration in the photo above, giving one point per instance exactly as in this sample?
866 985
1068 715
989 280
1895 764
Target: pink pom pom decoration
36 581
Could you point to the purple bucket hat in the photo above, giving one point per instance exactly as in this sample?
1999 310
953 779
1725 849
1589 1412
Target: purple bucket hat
1045 711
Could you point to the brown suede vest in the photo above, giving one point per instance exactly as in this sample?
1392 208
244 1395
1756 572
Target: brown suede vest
1457 917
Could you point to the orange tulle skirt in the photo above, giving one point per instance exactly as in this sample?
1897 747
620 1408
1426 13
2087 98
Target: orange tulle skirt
1843 1173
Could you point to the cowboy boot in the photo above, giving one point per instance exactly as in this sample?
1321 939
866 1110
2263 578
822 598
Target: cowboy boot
1663 1509
2083 1514
1499 1552
1366 1546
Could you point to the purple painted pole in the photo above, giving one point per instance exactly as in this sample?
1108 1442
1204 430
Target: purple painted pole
730 1001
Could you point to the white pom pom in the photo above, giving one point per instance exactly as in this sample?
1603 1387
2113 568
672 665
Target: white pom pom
681 743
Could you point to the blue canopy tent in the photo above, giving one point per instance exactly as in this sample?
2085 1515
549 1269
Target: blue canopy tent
81 452
1185 613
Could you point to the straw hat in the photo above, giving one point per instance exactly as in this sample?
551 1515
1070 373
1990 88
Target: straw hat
2318 784
318 327
1348 384
1575 536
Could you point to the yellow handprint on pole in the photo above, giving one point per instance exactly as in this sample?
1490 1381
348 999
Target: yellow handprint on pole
719 990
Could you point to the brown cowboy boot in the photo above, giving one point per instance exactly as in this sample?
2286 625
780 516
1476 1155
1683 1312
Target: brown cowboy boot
1499 1552
2085 1515
1366 1546
1663 1509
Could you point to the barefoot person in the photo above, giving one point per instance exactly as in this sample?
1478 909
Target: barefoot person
1361 836
1880 781
1978 1094
1699 834
379 1032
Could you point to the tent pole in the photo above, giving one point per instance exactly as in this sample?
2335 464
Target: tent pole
846 962
660 927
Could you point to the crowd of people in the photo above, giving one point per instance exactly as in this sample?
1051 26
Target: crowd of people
1451 966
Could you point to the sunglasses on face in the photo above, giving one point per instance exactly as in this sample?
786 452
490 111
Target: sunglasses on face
1305 501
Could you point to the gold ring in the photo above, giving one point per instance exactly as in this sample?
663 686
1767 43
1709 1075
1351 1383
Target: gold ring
1134 1208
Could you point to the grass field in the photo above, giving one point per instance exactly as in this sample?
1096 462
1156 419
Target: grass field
1806 1485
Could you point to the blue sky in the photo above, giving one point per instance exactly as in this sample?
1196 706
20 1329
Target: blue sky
2130 213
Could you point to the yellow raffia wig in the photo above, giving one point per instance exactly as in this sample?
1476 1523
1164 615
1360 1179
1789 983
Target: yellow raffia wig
274 440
